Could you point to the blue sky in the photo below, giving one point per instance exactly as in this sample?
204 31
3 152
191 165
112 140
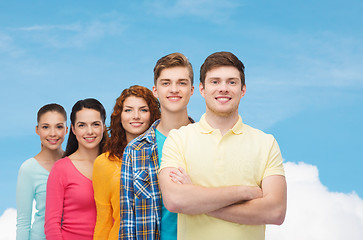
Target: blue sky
303 63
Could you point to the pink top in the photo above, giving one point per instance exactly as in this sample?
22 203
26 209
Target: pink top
70 211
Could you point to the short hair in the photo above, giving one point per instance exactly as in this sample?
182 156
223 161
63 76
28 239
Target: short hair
89 103
219 59
117 141
173 60
52 107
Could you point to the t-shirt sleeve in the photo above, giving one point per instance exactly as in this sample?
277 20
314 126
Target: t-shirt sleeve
274 164
173 151
54 203
24 201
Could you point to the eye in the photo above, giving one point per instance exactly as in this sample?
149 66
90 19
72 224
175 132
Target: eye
81 125
233 82
127 110
165 83
60 127
214 82
45 127
183 83
96 124
144 110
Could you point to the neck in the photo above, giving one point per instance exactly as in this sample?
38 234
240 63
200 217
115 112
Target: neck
49 155
169 121
221 122
83 154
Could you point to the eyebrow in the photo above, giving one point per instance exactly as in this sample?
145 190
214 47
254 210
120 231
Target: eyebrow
145 106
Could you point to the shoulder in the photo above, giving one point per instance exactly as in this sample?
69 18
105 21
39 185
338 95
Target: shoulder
145 140
28 164
258 134
102 162
61 164
184 130
27 171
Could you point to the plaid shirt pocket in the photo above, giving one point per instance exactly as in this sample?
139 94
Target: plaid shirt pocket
142 185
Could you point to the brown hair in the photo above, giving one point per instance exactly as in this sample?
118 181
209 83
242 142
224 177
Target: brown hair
117 142
219 59
52 107
172 60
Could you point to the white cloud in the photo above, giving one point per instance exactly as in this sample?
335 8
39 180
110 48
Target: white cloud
8 224
72 35
212 10
313 211
7 46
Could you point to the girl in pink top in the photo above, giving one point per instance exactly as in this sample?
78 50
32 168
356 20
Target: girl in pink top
70 211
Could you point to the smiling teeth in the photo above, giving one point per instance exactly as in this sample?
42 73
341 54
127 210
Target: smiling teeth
223 99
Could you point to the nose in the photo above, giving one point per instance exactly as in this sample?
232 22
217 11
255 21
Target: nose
52 131
89 129
174 88
136 115
223 87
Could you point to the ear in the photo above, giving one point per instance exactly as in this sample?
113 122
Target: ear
243 90
155 91
192 91
72 128
201 90
66 129
37 129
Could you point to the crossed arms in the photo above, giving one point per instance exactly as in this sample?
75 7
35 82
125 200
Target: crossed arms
238 204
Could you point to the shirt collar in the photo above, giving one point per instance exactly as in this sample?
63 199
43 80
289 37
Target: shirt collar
206 128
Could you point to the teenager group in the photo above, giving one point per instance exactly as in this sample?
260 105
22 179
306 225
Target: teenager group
154 173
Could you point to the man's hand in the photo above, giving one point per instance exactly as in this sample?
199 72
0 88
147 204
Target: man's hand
180 176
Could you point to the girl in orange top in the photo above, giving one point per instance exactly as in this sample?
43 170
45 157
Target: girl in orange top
134 112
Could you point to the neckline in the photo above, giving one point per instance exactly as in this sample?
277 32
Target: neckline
40 166
70 161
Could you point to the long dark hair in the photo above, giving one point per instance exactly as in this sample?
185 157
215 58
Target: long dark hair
90 103
117 141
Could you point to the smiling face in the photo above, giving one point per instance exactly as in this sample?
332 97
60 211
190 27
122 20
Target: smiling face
173 89
51 129
222 91
135 117
88 128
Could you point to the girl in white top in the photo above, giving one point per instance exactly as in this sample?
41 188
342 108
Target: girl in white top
33 173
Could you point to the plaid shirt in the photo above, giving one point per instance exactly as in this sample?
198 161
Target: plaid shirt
140 198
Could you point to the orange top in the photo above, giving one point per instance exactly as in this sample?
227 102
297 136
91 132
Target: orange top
106 185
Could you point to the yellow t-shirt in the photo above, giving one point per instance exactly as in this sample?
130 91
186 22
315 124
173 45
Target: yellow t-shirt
243 156
106 186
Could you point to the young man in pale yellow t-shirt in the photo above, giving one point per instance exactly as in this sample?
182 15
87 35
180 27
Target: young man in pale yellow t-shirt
237 182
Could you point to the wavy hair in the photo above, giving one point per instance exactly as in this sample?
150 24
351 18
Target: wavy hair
117 142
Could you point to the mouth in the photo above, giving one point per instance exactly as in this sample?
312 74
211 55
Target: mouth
174 98
90 139
53 141
136 124
223 99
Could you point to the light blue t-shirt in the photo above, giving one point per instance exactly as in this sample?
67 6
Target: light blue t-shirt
32 185
169 220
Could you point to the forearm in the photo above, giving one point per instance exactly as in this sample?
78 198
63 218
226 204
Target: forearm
270 209
194 199
104 221
54 208
127 201
24 205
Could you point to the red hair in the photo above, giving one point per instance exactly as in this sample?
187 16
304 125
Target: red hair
117 142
